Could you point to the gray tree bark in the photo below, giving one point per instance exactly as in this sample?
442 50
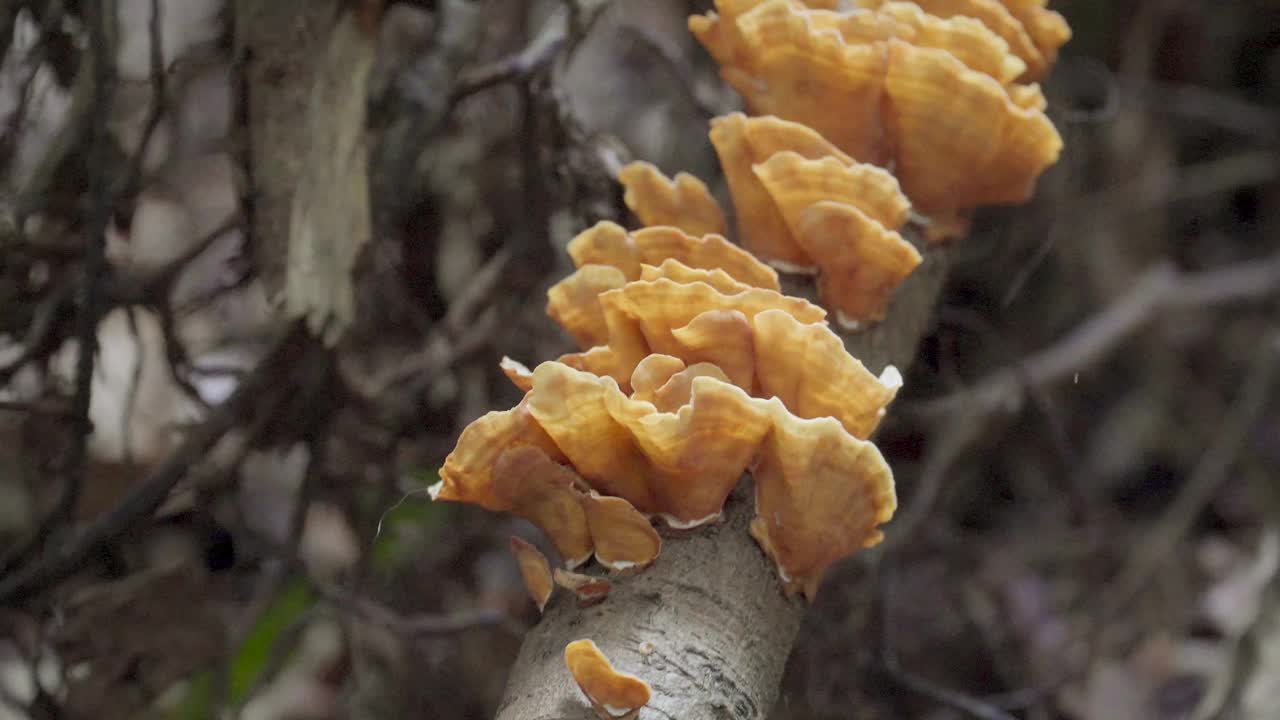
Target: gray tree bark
707 626
278 43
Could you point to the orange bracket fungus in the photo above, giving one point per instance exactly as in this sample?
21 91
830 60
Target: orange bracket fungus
695 368
872 126
535 570
614 695
624 539
937 100
589 589
684 202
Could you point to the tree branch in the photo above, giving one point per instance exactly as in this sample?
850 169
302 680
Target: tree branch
261 392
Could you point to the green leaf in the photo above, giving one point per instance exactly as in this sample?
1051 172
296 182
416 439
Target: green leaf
251 660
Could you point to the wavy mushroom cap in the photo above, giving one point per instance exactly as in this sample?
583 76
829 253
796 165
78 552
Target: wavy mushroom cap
683 202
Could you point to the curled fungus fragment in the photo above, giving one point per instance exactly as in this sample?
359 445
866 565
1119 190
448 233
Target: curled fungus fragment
765 343
535 570
624 539
543 492
613 695
589 589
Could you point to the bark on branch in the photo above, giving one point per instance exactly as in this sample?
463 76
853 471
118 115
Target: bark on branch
707 625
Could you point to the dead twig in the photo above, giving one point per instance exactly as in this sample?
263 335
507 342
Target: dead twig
263 388
887 665
419 624
678 71
1254 397
89 299
944 450
155 108
1161 288
514 68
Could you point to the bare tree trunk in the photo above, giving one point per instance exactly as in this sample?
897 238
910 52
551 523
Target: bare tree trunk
707 626
278 43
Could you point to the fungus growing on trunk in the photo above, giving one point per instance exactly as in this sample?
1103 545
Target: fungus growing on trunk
608 244
696 369
683 202
589 589
535 570
614 695
935 99
625 541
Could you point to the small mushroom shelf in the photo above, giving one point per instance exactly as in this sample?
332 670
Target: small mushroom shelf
694 368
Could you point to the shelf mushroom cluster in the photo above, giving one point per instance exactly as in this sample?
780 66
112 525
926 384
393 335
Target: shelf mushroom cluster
863 117
698 378
694 368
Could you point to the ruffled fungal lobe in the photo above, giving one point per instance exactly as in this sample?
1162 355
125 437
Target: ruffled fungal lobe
683 202
545 493
572 302
467 473
742 142
820 496
812 76
963 142
863 261
680 463
608 244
